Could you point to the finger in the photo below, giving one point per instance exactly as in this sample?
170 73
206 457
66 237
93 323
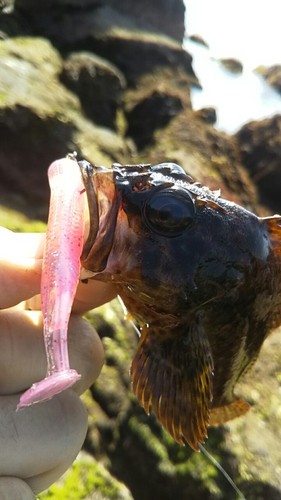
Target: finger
40 442
16 245
19 280
20 273
92 294
23 357
15 488
20 266
88 296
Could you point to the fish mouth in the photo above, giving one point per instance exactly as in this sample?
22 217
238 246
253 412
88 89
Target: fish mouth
103 205
105 189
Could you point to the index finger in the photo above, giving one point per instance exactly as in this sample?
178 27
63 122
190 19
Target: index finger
21 257
21 245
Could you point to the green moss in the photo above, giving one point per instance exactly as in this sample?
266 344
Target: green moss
114 354
146 436
200 469
113 315
15 221
84 478
121 122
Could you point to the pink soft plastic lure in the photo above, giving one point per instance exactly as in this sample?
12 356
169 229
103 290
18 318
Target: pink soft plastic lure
60 275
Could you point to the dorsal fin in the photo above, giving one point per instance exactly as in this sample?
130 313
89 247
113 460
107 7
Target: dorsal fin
273 226
200 202
273 223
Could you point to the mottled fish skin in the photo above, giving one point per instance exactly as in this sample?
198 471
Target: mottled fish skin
200 274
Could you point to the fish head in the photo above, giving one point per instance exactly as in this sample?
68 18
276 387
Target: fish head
164 239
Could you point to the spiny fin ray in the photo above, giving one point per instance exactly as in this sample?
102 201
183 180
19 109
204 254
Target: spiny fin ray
174 378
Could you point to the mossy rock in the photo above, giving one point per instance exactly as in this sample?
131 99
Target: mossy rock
89 480
16 221
40 121
210 156
272 75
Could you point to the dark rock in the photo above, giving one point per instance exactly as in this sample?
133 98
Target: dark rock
153 104
162 16
198 39
207 115
272 75
6 6
40 120
260 145
11 23
208 155
135 36
98 84
232 65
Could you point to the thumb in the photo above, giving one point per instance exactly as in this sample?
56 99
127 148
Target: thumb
15 488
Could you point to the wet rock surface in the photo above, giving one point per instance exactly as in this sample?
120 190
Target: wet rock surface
272 75
110 80
233 65
98 84
198 39
143 456
260 147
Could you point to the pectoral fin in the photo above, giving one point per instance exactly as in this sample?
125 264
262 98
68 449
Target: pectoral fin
174 377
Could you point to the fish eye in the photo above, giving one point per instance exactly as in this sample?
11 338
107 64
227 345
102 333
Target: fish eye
169 211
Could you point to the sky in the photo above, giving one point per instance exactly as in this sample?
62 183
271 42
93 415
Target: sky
246 29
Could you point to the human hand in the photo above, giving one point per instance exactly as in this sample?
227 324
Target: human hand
39 443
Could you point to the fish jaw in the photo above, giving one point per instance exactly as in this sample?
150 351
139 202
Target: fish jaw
103 204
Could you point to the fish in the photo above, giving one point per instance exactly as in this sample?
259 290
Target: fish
201 277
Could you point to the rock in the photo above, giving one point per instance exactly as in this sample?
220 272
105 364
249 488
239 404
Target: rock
208 155
272 75
260 146
153 112
88 479
136 37
6 6
41 120
11 23
162 16
156 101
261 426
232 65
98 84
207 114
198 39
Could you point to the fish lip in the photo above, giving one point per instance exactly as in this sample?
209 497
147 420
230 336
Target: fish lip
103 203
104 189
